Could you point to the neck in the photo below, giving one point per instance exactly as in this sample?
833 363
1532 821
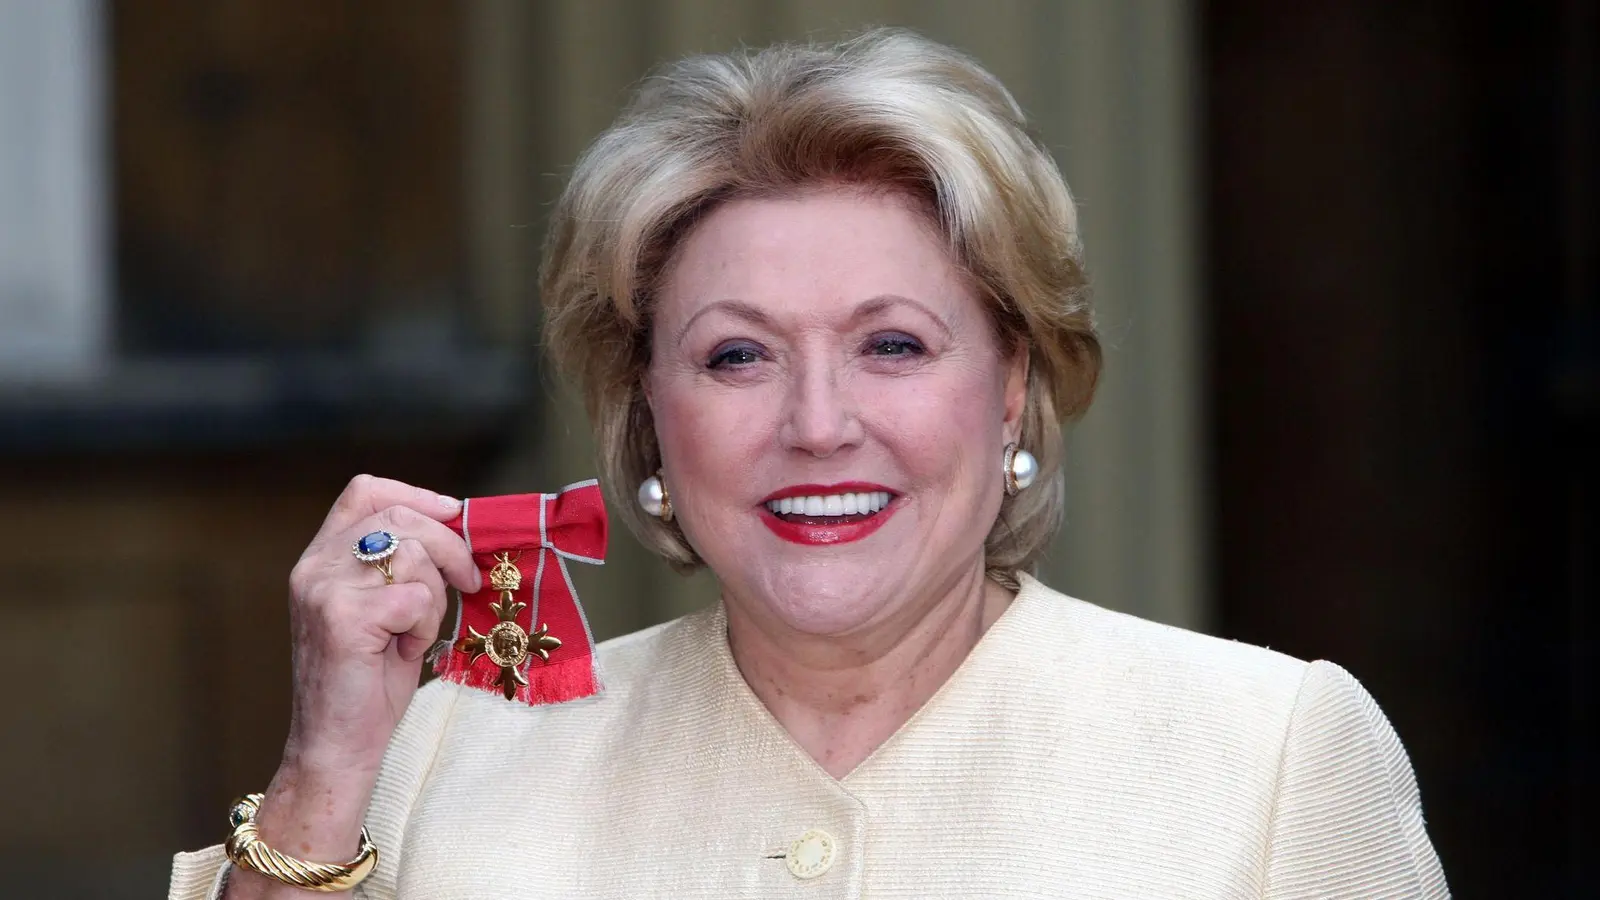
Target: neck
841 697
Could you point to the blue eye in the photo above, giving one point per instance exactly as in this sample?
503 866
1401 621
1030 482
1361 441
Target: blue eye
736 355
894 345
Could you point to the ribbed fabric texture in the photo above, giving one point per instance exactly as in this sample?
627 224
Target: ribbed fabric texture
1077 752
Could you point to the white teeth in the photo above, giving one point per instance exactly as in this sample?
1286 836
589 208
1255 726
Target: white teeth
832 504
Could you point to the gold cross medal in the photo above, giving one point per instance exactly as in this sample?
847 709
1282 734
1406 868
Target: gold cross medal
507 645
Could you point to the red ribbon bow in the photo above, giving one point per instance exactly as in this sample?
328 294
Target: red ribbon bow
539 533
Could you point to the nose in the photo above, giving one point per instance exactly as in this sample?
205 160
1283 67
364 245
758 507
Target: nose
821 418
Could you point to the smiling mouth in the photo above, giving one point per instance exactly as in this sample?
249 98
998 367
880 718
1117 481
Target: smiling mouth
823 514
830 509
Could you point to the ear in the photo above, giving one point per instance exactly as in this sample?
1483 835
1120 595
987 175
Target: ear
1016 392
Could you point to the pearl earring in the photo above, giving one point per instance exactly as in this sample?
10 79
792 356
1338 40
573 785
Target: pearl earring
654 499
1020 469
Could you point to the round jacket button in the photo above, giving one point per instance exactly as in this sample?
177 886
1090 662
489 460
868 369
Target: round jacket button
812 854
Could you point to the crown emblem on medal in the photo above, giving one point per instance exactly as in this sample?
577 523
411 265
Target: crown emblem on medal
507 645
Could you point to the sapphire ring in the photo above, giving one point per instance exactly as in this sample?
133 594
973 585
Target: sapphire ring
376 550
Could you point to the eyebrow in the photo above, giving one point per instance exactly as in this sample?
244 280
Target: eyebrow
736 308
868 308
885 302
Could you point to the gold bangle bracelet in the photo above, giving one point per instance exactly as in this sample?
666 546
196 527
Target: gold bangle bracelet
247 851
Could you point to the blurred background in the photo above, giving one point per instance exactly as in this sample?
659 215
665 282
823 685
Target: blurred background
1345 256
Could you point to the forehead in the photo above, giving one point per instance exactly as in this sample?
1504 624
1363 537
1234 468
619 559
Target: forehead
817 252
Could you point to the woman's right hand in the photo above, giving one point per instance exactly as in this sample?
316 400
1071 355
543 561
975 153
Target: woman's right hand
358 647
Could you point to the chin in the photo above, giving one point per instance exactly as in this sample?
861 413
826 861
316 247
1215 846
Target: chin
827 600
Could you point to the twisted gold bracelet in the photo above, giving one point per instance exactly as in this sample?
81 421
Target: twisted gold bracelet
247 851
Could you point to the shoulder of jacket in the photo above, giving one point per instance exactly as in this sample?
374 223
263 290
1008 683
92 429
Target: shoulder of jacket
1142 655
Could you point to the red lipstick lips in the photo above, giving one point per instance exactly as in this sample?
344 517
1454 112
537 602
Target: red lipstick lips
813 531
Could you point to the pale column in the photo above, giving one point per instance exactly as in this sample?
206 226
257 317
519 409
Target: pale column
828 19
54 193
710 26
1114 94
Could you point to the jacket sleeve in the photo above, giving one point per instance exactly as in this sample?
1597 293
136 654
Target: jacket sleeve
1348 819
203 875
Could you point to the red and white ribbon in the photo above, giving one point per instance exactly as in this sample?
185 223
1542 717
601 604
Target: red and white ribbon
542 532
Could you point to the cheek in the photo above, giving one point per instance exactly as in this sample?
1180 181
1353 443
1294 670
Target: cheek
708 434
943 429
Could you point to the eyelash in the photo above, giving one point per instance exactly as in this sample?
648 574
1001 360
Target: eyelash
720 357
908 346
740 355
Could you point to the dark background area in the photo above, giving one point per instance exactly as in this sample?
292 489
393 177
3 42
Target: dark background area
1401 215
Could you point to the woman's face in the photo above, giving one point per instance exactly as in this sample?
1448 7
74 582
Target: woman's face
816 358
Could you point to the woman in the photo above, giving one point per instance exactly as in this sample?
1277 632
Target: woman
827 306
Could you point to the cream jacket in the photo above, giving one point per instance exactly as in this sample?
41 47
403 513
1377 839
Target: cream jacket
1077 752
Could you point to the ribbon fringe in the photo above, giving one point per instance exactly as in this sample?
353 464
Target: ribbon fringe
547 684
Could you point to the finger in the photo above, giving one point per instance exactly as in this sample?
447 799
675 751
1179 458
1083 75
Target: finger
411 563
367 495
406 614
447 550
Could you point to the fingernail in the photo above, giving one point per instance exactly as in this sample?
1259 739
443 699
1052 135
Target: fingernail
449 502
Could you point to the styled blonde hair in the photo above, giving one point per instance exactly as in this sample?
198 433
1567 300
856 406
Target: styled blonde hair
885 109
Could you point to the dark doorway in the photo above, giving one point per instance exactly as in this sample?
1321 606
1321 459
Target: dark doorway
1401 214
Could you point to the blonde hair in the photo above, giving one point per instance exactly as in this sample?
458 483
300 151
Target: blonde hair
886 108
